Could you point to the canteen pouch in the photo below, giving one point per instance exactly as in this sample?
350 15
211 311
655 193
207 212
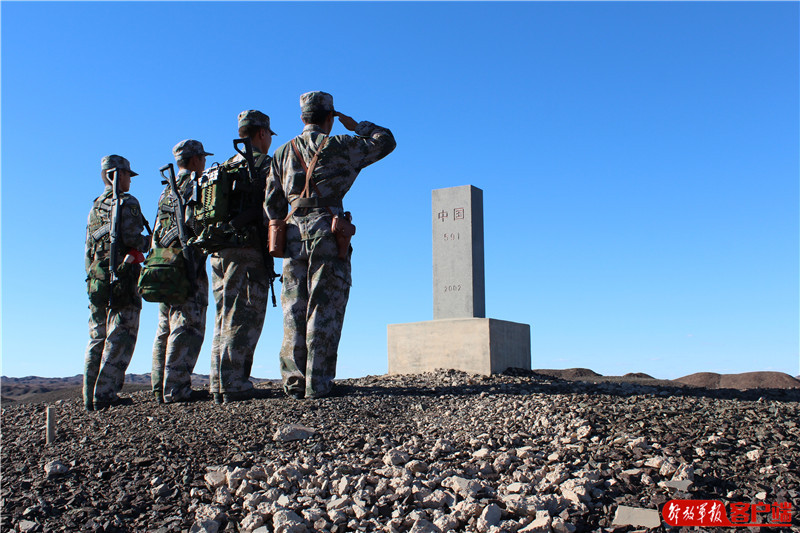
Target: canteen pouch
98 284
277 238
163 277
343 229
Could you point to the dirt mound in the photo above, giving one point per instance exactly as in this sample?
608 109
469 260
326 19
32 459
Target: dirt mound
569 373
638 375
745 380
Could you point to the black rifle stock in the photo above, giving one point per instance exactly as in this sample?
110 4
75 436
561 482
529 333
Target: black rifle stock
112 175
262 237
180 222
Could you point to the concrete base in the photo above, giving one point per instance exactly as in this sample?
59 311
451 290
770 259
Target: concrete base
475 345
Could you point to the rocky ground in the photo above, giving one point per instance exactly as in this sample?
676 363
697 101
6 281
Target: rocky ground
435 452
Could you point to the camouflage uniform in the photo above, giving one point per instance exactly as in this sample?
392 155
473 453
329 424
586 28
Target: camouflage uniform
181 327
316 282
112 331
240 282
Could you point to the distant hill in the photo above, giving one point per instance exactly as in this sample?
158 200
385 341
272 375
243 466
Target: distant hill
745 380
38 389
35 389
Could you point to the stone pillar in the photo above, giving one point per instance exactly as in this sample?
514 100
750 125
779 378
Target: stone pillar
458 276
460 336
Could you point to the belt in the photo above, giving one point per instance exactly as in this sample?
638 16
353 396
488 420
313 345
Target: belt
315 201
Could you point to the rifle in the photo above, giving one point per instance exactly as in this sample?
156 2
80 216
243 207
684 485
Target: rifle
269 263
116 203
180 222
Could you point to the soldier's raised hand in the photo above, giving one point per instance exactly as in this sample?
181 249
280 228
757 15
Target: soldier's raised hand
346 121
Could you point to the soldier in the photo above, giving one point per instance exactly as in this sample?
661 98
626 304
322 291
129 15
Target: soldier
316 280
181 327
114 325
240 277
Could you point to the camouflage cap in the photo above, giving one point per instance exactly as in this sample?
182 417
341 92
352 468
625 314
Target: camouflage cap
188 148
116 161
251 117
316 101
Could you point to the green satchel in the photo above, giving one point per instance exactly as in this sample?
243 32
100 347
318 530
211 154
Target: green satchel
163 277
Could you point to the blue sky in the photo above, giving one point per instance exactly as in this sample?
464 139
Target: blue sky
639 163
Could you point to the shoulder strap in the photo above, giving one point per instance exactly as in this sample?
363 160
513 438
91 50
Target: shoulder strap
308 168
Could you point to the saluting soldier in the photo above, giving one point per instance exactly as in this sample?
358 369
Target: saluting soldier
316 276
181 327
240 276
113 326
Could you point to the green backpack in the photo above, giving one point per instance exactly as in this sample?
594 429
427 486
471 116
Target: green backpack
98 285
163 277
221 194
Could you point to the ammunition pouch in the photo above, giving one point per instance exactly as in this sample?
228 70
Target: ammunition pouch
222 235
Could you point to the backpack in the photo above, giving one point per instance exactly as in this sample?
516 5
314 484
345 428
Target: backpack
98 278
163 277
221 193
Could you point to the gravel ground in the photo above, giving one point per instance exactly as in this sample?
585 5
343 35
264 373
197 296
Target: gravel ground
433 452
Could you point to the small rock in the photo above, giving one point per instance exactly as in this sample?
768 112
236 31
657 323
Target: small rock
160 490
636 516
754 455
26 525
418 467
205 526
423 526
654 462
395 457
251 522
223 496
682 485
211 513
288 522
515 488
560 526
483 453
55 468
292 432
466 488
684 472
489 517
540 524
447 522
215 479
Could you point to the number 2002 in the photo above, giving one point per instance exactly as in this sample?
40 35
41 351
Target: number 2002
452 288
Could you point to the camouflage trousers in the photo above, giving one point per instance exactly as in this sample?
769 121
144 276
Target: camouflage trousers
241 288
316 286
179 337
112 339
